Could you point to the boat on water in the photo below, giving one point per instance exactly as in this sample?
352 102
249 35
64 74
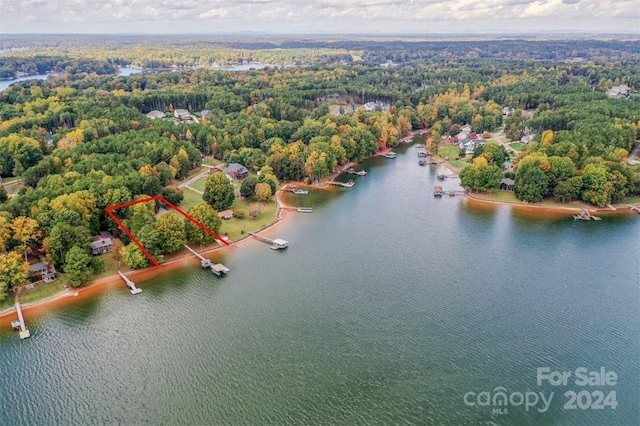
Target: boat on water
423 162
390 155
422 153
300 191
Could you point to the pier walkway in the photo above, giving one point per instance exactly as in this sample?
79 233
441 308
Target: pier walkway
19 324
344 184
276 244
218 268
132 286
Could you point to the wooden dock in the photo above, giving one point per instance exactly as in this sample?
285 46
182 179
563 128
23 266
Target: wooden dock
357 173
305 209
585 215
276 244
20 325
453 193
204 262
132 286
344 184
218 269
390 155
634 208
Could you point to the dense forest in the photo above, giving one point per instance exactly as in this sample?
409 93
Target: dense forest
81 140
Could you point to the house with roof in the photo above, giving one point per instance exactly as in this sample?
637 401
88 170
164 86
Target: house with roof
181 114
618 92
507 184
226 214
101 245
49 277
236 171
156 114
38 269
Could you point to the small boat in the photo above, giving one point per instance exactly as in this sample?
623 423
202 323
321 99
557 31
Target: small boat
300 191
390 155
422 153
423 162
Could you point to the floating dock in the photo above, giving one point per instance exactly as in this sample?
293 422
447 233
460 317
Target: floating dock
344 184
357 173
276 244
218 269
132 286
584 215
390 155
19 324
305 209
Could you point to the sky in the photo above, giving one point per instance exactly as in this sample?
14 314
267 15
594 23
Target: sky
320 16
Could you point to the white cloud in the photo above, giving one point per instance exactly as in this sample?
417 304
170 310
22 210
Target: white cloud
167 16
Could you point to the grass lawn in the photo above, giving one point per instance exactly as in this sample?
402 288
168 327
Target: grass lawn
510 197
41 291
190 198
236 228
199 184
210 161
451 152
518 146
7 302
631 200
10 179
111 265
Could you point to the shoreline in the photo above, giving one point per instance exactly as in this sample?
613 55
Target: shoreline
98 285
618 209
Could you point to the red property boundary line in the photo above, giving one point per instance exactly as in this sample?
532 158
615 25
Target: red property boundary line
124 229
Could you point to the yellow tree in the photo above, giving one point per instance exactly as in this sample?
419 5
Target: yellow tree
5 233
25 231
547 137
13 272
263 191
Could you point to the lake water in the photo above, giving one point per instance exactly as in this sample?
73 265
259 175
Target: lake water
6 83
389 306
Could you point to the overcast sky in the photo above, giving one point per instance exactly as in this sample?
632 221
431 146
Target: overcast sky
319 16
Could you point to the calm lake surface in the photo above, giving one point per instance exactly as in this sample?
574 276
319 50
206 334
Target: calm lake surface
6 83
389 306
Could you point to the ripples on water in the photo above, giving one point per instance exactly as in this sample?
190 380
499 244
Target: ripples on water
388 307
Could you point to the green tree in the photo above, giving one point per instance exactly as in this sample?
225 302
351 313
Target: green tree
62 238
133 257
531 183
13 272
3 194
218 191
171 232
248 186
481 176
78 266
597 188
207 216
